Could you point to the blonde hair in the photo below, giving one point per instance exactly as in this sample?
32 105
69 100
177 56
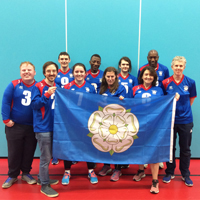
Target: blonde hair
179 59
28 63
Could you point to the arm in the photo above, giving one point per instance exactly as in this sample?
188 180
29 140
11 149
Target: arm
122 92
177 96
38 100
192 100
7 104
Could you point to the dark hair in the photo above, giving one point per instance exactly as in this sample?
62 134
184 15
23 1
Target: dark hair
47 64
63 53
152 72
96 55
104 84
78 64
127 60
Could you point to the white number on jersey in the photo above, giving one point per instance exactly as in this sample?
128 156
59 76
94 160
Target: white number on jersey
146 95
95 86
64 81
52 97
126 86
27 100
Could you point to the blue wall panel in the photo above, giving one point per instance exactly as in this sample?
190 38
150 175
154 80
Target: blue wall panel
35 31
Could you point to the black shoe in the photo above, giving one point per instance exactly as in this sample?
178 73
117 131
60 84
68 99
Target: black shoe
48 191
124 166
51 182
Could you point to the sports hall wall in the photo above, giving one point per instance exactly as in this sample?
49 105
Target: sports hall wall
37 31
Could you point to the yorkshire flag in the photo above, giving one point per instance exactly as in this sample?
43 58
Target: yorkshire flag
95 128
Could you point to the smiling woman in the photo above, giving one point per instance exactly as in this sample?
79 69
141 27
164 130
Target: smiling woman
110 87
79 85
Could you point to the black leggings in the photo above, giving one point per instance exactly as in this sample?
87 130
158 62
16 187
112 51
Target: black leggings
117 167
68 164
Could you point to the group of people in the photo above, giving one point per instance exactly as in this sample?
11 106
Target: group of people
28 113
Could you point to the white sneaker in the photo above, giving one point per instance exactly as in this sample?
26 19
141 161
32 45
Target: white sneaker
145 166
161 165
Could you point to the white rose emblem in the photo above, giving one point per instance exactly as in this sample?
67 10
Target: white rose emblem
113 128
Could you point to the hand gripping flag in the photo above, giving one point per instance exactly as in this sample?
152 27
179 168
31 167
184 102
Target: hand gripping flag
95 128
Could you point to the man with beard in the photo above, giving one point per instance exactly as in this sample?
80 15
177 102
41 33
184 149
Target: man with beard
43 103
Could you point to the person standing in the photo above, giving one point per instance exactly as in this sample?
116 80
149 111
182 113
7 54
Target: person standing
18 119
79 84
94 75
43 103
161 70
125 78
186 87
110 87
162 73
64 77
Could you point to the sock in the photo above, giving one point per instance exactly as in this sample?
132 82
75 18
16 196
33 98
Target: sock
67 170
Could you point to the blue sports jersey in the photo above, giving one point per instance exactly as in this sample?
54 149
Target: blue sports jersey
94 79
128 82
16 103
43 107
186 89
63 78
121 91
162 72
85 87
140 91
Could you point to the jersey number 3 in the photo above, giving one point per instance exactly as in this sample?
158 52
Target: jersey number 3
27 100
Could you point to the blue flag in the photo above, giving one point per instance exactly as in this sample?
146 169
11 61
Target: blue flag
95 128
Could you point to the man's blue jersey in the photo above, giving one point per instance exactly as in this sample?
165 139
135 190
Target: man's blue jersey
186 89
162 72
140 91
121 91
63 78
85 87
128 82
43 107
94 79
16 103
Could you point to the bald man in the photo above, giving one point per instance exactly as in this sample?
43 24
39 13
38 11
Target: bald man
162 71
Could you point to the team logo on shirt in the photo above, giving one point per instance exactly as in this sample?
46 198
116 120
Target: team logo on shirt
160 73
113 92
58 75
113 129
154 91
130 80
185 88
88 78
100 80
87 89
170 87
20 87
73 89
71 75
